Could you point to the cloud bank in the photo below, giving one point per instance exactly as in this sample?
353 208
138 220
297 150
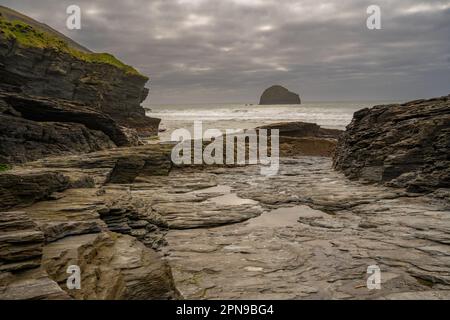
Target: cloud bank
199 51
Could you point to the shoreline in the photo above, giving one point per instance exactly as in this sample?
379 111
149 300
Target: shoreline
94 207
134 196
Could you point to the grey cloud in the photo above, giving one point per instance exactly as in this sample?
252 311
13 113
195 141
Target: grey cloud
230 50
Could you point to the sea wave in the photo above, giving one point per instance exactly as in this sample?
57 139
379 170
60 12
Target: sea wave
332 115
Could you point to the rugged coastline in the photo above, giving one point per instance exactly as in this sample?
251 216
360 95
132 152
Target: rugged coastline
78 186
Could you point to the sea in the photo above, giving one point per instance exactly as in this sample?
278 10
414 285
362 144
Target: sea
332 115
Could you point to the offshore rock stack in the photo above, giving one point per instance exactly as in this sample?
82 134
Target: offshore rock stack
279 95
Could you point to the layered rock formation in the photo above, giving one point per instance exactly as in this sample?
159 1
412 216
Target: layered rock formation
58 97
110 211
35 127
305 139
58 212
133 273
319 233
302 129
279 95
403 145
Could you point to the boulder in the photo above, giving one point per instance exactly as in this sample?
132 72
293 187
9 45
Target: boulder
402 145
302 129
132 271
25 188
304 139
23 140
40 109
279 95
33 284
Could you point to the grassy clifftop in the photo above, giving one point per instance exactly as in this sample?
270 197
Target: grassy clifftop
28 36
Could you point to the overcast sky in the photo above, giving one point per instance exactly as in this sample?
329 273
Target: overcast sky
230 50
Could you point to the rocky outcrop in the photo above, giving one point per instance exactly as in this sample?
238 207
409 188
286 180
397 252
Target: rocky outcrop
133 271
219 228
21 242
28 187
51 110
403 145
34 181
75 74
102 87
302 129
308 146
315 241
21 245
23 140
36 127
71 213
57 97
279 95
305 139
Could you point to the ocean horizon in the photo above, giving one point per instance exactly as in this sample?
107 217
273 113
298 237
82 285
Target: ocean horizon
330 115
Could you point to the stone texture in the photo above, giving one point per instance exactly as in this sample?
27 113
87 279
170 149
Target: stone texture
279 95
53 102
75 212
310 146
103 87
34 181
57 110
25 187
33 128
305 139
72 224
133 271
23 140
33 284
318 235
21 242
307 233
121 165
302 129
404 145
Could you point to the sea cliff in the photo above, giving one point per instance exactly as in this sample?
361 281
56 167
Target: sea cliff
42 70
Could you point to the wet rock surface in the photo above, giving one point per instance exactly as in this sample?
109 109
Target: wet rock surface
319 234
230 232
70 210
302 129
304 139
141 228
403 145
133 272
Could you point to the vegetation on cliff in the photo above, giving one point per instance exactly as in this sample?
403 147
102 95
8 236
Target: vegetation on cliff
4 167
28 36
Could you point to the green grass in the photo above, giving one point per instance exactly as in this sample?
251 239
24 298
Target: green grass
28 36
4 167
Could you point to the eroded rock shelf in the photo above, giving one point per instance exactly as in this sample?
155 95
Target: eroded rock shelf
227 233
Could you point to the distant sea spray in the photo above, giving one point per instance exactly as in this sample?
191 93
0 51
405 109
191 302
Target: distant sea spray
333 115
